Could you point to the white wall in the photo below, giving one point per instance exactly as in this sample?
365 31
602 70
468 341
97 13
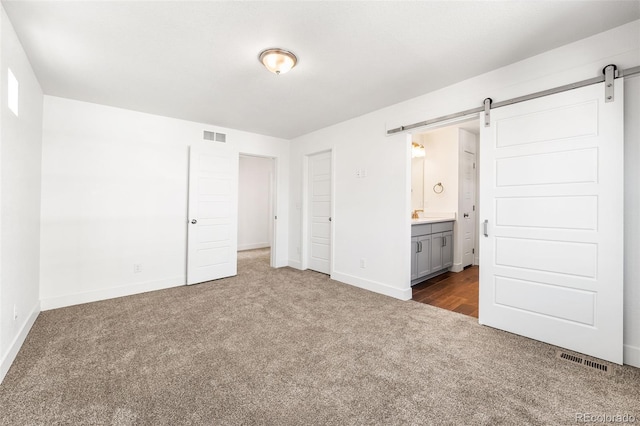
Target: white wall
370 214
254 215
417 183
20 153
441 166
114 194
367 212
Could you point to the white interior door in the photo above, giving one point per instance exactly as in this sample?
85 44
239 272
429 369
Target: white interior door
273 212
213 213
551 180
320 212
468 194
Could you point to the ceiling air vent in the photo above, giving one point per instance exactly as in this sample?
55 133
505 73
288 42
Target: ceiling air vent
213 136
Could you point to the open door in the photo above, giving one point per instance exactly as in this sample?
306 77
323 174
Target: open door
551 218
213 213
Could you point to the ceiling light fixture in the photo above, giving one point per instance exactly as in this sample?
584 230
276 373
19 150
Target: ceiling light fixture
278 61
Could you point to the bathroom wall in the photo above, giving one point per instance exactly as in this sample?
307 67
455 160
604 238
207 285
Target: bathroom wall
441 165
417 183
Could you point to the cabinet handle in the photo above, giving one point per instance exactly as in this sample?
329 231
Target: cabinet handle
419 247
444 241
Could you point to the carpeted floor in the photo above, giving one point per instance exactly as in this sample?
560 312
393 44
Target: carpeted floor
285 347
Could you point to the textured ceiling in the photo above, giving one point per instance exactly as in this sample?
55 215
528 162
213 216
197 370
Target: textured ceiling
198 60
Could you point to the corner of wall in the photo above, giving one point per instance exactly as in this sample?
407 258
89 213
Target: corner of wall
20 195
16 344
631 356
295 264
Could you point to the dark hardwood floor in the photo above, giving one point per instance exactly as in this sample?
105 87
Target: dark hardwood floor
453 291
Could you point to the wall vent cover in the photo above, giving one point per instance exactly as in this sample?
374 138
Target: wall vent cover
584 362
213 136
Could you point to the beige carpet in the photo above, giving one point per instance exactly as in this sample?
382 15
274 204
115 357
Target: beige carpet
284 347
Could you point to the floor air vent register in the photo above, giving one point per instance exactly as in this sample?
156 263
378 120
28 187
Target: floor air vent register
604 368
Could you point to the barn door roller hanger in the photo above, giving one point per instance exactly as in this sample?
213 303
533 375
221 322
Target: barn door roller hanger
609 74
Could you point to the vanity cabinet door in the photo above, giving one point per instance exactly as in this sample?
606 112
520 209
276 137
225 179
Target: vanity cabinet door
447 249
431 252
414 258
423 256
437 243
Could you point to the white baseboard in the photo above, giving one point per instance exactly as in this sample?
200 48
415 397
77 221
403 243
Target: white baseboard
631 355
109 293
376 287
15 346
296 264
252 246
457 267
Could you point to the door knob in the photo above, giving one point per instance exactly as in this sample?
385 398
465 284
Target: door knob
465 215
194 221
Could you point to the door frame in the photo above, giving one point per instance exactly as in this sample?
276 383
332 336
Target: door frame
454 122
305 246
273 200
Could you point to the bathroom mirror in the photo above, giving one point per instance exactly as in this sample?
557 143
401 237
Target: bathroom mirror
417 183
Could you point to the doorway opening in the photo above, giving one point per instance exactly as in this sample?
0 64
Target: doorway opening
256 207
444 203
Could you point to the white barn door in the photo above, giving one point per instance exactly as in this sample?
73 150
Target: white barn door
551 179
213 213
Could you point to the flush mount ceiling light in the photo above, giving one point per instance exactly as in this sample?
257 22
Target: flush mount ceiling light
278 61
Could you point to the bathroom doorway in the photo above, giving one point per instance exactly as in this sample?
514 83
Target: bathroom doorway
445 185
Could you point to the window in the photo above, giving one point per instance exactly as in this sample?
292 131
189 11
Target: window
12 92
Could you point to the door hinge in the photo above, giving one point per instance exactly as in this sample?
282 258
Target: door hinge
474 208
487 109
609 75
275 217
473 251
474 165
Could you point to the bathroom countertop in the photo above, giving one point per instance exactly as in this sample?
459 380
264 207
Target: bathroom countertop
431 220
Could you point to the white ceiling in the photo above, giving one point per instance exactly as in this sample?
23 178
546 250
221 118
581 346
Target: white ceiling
198 60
